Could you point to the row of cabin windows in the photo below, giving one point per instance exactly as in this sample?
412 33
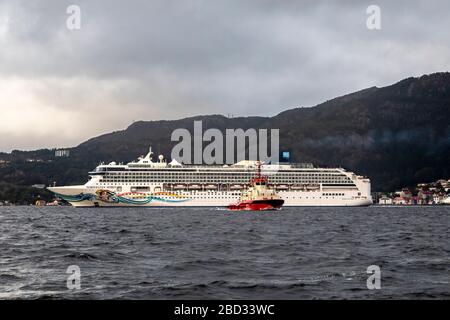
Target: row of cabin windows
220 174
218 195
213 181
136 189
221 177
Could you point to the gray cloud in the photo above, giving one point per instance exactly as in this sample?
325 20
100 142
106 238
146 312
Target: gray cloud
169 59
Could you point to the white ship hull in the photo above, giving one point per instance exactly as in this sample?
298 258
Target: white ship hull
205 199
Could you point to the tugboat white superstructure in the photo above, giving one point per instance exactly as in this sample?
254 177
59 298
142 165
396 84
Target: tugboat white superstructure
148 183
258 197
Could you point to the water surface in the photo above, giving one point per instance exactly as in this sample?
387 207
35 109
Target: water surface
154 253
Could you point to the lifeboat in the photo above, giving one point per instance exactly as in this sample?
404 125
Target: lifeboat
282 187
211 187
237 187
179 187
258 197
195 187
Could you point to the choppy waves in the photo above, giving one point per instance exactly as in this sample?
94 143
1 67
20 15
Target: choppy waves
295 253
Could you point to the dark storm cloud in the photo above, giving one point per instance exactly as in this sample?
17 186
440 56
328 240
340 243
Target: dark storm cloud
169 59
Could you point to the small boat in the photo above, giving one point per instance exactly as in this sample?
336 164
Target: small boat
258 196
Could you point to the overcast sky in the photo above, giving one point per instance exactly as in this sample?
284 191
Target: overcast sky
150 60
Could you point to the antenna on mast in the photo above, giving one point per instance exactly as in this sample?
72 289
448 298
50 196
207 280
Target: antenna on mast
149 154
258 169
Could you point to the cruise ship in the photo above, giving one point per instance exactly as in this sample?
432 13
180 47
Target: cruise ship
157 183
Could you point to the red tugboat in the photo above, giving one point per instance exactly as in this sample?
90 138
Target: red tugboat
258 196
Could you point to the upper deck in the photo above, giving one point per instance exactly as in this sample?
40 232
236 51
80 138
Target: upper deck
146 171
146 163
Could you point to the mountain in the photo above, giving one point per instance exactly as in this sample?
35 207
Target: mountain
397 135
